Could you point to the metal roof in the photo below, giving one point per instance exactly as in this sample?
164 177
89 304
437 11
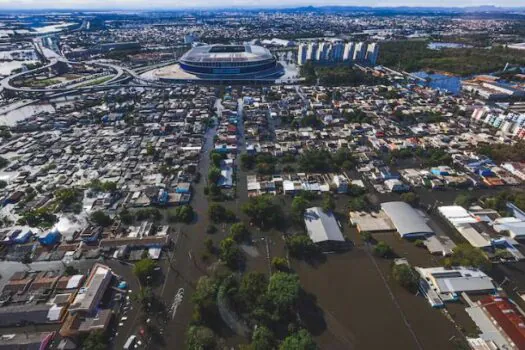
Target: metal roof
407 220
219 53
322 226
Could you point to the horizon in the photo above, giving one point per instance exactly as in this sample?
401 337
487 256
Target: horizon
168 5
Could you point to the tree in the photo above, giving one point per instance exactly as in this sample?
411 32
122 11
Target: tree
183 213
464 200
252 288
283 291
230 253
126 217
301 246
301 340
214 174
218 213
263 211
95 340
205 299
410 197
67 196
201 338
3 184
239 232
280 264
100 218
299 206
406 277
365 236
247 161
383 250
262 339
466 255
144 268
216 159
328 203
358 203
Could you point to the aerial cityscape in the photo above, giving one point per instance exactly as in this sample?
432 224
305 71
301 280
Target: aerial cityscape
290 177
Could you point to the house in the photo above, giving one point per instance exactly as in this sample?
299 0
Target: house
323 229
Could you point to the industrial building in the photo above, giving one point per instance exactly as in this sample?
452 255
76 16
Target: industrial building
408 222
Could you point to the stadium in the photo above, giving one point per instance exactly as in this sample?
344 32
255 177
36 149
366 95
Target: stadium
222 63
229 61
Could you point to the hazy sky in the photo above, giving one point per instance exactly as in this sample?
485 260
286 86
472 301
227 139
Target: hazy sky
145 4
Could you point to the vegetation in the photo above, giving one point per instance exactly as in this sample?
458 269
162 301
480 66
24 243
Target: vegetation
239 232
365 236
406 277
41 217
467 255
280 264
201 338
126 217
299 206
411 198
337 75
148 214
96 340
183 213
263 211
214 174
465 200
499 201
67 196
106 186
415 55
3 184
323 161
358 203
383 250
144 268
300 340
501 152
230 253
218 213
328 204
70 271
301 246
100 218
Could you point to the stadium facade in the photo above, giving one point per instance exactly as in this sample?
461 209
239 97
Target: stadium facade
230 62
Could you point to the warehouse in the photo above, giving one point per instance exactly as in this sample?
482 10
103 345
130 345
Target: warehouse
408 222
323 228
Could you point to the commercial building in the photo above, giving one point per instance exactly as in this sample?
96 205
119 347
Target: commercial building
448 283
500 322
322 227
407 221
90 295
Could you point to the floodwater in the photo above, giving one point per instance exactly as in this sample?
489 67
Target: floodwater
448 83
439 46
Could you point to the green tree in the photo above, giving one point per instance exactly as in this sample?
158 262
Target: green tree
95 340
263 211
144 268
466 255
239 232
218 213
299 206
358 203
230 253
406 277
252 288
100 218
3 184
365 236
301 340
262 339
283 291
70 271
3 162
464 200
204 299
411 198
383 250
183 213
328 203
280 264
201 338
216 159
214 174
301 246
126 217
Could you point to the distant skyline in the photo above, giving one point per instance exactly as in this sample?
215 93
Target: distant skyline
174 4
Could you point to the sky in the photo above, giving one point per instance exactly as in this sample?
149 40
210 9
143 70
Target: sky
174 4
